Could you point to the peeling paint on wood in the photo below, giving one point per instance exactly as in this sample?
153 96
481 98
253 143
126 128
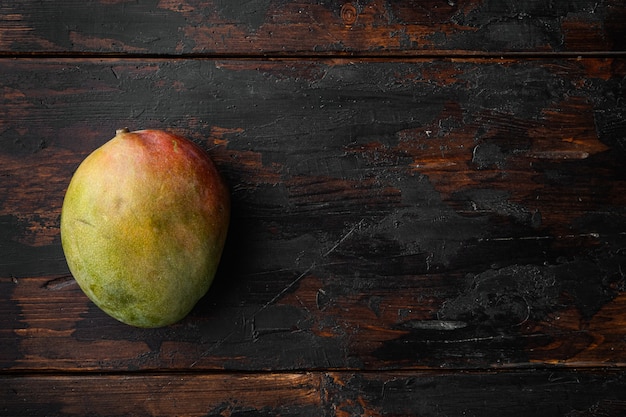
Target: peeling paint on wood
428 206
444 223
285 27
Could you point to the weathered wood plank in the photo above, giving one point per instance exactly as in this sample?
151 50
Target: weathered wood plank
539 393
409 214
548 393
161 395
311 27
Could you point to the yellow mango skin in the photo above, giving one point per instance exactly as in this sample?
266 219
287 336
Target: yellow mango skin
143 225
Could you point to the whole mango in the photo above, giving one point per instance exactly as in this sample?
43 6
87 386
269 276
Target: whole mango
143 226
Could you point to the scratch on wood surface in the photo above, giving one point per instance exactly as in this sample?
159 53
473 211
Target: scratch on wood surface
444 325
347 235
250 321
313 264
287 288
547 237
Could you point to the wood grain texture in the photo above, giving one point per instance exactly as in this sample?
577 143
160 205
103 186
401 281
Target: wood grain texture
429 206
266 27
162 395
548 393
386 215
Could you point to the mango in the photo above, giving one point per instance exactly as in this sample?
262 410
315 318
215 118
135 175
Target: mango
143 226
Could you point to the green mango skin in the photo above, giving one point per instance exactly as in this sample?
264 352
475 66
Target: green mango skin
143 226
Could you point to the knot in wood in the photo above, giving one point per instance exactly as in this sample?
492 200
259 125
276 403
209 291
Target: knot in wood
348 14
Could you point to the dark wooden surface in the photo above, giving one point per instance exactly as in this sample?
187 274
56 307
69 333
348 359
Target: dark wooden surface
429 206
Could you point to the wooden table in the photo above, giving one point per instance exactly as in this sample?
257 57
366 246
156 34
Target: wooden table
429 206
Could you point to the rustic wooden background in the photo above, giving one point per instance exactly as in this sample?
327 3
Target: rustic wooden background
429 206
